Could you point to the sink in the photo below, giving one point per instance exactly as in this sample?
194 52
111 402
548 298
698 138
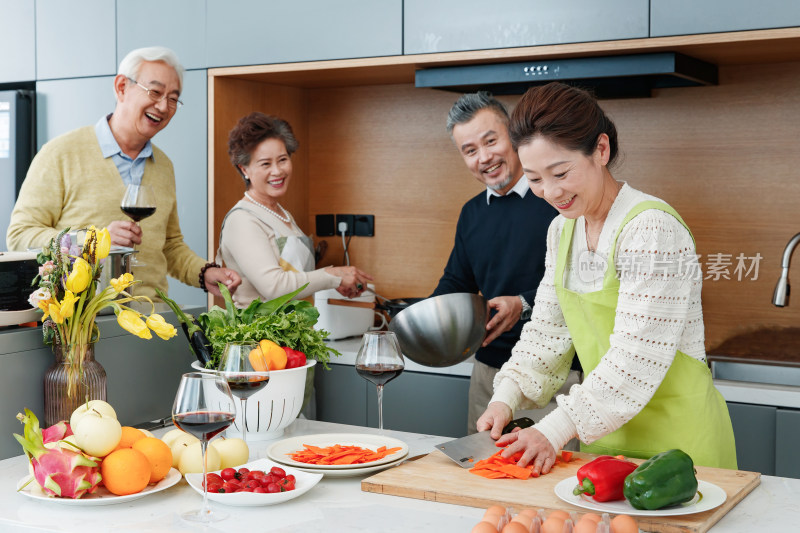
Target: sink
755 372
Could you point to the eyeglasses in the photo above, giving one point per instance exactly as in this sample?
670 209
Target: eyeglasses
156 96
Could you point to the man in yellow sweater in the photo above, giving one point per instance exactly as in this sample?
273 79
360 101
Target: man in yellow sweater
78 179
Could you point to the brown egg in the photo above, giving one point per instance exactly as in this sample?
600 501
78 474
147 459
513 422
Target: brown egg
529 512
484 527
495 509
624 524
553 525
493 519
515 527
585 525
558 513
525 520
593 517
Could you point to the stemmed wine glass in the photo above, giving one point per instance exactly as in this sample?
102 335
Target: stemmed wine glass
204 408
379 361
138 203
244 368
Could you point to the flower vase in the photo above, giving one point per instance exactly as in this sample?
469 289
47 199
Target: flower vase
75 377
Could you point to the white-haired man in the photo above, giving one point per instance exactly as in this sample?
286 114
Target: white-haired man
79 178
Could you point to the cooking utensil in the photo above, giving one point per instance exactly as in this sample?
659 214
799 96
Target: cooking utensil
466 451
443 330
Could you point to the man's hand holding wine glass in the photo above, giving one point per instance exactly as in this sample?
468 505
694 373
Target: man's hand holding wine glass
125 233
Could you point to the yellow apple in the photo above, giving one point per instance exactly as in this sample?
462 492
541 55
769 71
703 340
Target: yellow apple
232 452
191 461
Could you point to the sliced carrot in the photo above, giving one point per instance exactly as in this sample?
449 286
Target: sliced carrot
339 454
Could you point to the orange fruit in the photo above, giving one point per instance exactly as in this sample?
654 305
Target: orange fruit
159 455
125 471
129 436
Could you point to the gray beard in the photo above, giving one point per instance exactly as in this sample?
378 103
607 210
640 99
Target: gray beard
503 184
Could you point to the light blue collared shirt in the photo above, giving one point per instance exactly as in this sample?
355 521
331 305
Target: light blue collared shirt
131 170
521 188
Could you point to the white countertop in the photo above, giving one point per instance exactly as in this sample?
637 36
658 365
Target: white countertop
349 349
334 505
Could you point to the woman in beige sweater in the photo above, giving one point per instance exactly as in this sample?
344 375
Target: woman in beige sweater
259 238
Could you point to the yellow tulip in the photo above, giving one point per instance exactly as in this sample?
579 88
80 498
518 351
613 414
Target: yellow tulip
44 305
68 304
55 313
131 321
80 277
103 244
162 328
123 282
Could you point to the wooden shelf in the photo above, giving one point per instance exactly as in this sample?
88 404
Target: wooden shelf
731 48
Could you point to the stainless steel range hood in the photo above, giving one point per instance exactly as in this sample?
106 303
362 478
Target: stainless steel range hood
625 76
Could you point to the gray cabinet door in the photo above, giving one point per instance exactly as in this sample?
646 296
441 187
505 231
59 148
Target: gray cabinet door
75 38
787 459
180 25
455 25
341 395
432 404
754 430
253 32
683 17
17 40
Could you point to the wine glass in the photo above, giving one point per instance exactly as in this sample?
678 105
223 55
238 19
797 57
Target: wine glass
138 202
204 408
379 361
245 369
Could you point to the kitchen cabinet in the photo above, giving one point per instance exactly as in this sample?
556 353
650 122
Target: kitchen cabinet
75 39
247 32
415 401
180 25
17 33
457 25
683 17
766 438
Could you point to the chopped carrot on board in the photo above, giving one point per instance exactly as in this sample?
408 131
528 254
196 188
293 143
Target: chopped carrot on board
498 467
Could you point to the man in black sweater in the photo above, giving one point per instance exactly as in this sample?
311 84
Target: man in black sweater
500 238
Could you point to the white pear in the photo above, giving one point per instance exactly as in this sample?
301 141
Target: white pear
170 436
179 445
96 405
191 461
97 434
232 452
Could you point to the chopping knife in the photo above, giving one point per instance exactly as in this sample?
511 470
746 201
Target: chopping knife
468 450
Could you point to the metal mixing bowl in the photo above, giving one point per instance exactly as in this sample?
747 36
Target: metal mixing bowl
441 331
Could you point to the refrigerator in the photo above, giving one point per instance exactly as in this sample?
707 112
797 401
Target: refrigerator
17 148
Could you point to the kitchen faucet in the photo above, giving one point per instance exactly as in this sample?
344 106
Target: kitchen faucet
781 296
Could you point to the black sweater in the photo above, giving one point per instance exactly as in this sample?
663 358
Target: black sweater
499 251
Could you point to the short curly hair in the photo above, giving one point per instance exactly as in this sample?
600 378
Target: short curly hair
253 129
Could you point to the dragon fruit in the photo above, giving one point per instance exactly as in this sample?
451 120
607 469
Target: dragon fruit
57 432
60 472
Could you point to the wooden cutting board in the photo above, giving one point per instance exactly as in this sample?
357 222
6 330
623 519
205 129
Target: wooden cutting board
437 478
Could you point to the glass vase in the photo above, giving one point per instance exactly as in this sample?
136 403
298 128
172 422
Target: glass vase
74 378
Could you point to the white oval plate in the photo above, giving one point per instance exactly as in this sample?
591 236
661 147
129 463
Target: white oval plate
303 483
101 496
353 472
709 496
280 450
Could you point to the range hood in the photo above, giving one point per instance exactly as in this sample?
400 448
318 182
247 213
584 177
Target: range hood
625 76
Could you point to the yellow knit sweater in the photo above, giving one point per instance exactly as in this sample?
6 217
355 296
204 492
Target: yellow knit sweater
70 185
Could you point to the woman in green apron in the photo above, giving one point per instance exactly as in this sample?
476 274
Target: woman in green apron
259 238
622 288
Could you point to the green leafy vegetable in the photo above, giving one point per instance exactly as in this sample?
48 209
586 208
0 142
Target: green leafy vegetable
285 321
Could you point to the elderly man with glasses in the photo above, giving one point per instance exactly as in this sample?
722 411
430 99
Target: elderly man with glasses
79 178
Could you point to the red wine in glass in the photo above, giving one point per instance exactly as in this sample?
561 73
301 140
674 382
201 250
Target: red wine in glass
204 425
138 213
244 387
379 374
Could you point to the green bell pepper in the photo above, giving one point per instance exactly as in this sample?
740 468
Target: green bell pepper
667 478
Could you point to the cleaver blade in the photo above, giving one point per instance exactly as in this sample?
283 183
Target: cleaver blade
466 451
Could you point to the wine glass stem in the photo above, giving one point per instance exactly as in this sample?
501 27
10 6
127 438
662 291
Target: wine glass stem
380 406
203 446
243 420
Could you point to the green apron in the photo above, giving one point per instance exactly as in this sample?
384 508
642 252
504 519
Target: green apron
686 412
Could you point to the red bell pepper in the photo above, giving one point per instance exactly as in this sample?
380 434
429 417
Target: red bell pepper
604 478
294 358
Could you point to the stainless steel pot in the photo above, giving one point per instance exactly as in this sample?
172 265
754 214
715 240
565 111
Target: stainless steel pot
116 264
